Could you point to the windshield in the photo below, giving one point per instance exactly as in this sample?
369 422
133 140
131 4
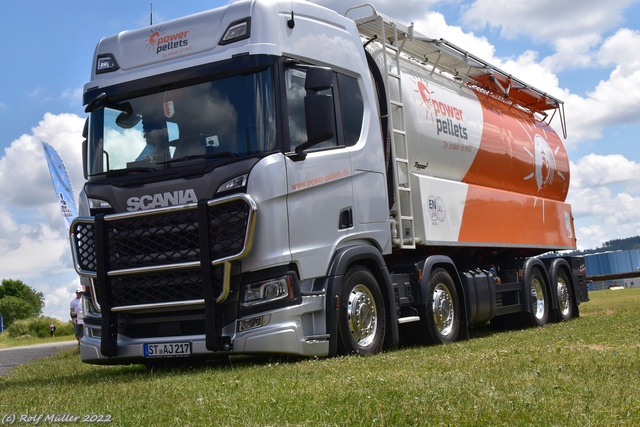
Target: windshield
230 117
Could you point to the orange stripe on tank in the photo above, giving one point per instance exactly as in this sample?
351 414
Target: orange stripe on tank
518 153
506 218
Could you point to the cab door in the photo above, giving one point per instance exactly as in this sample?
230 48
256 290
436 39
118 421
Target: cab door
319 182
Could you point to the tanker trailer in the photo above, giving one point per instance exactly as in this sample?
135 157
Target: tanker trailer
477 182
485 171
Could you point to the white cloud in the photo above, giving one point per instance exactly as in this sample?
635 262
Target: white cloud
545 20
434 25
33 253
74 96
58 296
603 212
597 170
24 176
573 52
575 31
35 92
407 10
602 215
613 102
621 50
591 236
33 238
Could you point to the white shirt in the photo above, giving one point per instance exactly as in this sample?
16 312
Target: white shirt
76 308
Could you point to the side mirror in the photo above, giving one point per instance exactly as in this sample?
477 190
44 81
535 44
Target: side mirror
127 119
318 78
85 133
319 108
320 117
97 103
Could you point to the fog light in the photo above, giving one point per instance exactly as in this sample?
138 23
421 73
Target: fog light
253 323
267 291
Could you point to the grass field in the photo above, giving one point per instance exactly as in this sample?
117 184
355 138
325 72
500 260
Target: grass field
6 342
582 373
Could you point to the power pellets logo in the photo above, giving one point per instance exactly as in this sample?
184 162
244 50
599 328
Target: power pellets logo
159 42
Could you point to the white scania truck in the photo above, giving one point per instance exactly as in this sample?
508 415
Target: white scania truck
273 177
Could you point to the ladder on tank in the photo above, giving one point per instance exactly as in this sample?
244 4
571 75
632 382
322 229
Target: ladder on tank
393 39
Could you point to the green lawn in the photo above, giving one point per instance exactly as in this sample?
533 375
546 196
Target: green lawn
582 373
6 342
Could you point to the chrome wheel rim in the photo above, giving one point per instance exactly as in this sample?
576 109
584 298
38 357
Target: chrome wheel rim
564 298
362 315
537 299
442 307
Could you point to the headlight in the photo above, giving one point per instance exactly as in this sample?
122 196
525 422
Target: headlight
267 291
98 204
232 184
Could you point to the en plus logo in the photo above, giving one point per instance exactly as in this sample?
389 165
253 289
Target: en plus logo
436 209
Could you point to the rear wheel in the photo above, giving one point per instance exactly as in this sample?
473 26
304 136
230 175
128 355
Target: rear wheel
362 316
565 296
442 308
538 299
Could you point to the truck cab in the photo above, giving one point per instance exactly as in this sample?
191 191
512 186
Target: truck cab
246 125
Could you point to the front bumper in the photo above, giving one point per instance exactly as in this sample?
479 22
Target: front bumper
291 330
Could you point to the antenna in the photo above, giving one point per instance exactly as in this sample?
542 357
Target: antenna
291 22
150 13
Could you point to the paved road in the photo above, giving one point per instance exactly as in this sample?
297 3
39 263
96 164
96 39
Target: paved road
16 356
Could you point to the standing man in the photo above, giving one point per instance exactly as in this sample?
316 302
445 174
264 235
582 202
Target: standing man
75 310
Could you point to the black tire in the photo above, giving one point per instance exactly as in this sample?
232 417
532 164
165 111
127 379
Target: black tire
362 316
538 299
442 311
565 297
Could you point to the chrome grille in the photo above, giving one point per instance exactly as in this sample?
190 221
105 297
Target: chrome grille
154 257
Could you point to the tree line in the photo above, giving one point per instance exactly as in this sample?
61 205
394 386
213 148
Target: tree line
626 244
19 301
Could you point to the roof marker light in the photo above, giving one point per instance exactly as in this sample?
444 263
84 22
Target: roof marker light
238 30
106 63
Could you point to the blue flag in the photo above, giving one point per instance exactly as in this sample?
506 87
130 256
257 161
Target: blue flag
61 184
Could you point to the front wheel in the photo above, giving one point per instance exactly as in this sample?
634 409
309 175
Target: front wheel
362 316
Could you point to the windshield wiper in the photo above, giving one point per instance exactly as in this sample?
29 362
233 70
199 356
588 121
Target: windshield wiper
221 154
123 172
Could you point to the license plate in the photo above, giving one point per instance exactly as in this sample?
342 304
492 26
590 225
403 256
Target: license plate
174 349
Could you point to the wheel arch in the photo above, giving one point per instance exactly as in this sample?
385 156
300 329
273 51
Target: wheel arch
370 258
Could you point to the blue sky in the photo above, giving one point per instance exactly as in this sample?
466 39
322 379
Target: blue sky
585 52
